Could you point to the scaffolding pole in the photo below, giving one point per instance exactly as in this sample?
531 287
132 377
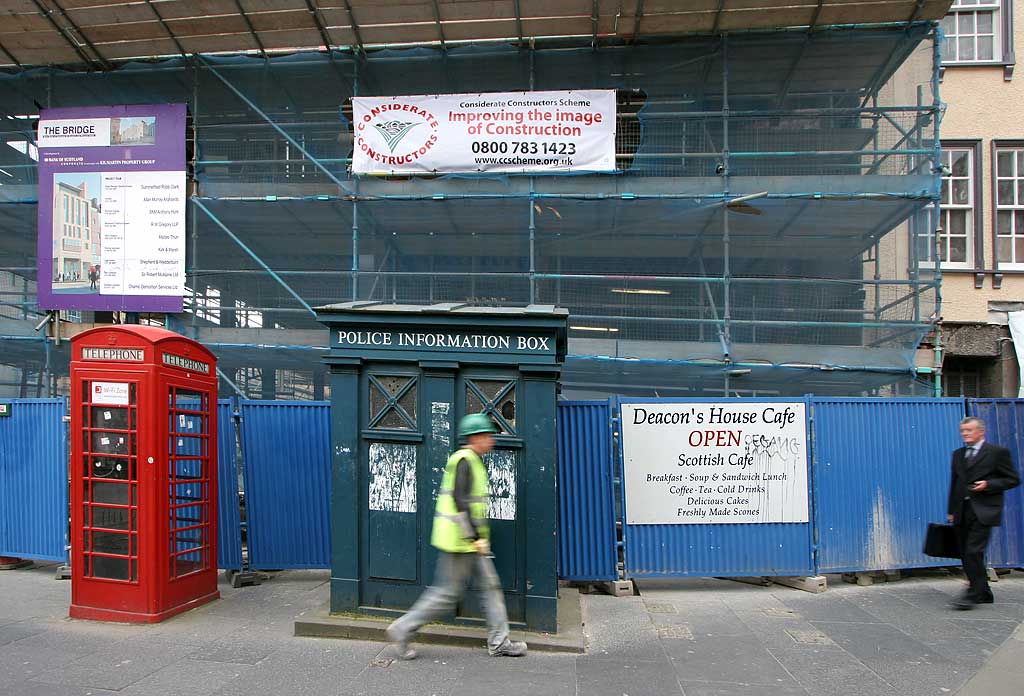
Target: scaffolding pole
253 255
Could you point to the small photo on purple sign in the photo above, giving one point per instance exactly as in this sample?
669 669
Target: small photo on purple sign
139 130
77 233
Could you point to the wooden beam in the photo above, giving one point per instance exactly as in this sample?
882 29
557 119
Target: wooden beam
718 17
636 21
315 12
440 27
519 20
816 15
815 584
166 28
252 29
11 56
99 56
918 9
355 27
48 13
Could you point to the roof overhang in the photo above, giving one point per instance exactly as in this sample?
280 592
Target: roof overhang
101 33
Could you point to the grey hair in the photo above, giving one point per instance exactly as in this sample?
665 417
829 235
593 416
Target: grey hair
973 419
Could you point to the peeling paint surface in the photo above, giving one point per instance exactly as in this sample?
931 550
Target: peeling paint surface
501 470
392 477
439 430
883 544
439 422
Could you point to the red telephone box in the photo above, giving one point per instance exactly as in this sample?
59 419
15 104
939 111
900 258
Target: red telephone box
143 474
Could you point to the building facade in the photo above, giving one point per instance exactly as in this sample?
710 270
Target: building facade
980 249
76 233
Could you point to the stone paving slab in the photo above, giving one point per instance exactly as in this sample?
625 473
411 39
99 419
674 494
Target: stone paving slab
740 689
692 637
830 672
728 659
610 677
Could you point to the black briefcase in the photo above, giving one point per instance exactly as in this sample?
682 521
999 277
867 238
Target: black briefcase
941 541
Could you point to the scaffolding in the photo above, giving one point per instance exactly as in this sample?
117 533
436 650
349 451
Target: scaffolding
770 229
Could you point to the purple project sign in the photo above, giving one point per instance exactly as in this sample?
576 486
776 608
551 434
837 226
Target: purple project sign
112 195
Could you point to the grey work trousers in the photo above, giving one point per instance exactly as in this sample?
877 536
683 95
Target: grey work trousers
450 578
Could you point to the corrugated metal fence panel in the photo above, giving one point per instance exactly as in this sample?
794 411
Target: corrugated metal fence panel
881 472
1004 425
586 502
34 480
701 550
229 528
286 452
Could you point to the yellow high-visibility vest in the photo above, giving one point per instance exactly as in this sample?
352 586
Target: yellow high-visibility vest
450 527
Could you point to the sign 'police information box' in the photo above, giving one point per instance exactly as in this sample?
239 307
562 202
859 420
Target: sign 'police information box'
454 341
715 462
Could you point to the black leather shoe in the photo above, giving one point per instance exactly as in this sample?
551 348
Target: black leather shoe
990 599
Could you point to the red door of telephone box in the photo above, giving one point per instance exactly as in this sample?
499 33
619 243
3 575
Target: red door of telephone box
143 474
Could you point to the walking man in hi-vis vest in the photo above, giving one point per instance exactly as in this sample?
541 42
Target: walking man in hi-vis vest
462 536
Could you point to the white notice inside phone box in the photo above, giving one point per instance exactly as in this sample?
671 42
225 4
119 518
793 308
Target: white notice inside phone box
110 393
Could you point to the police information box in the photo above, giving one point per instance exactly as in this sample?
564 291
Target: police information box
401 378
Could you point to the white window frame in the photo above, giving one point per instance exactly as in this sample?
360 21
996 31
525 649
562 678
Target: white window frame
947 207
1008 216
951 25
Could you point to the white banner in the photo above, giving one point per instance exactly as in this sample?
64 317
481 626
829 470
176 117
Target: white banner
715 463
490 132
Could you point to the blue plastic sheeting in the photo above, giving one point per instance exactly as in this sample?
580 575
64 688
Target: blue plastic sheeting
229 523
701 550
286 451
1004 425
586 505
881 474
34 480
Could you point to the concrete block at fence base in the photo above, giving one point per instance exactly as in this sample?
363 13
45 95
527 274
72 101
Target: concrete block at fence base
617 588
569 639
864 578
993 576
8 563
811 583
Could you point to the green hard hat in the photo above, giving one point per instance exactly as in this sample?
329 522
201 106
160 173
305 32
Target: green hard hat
476 423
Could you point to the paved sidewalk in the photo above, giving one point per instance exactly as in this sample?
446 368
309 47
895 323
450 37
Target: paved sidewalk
691 637
1003 673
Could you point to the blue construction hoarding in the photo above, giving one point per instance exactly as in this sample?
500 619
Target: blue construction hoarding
877 474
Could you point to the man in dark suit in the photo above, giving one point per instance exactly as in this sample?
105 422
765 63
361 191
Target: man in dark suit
981 472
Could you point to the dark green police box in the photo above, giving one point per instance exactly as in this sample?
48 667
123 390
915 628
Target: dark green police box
401 378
